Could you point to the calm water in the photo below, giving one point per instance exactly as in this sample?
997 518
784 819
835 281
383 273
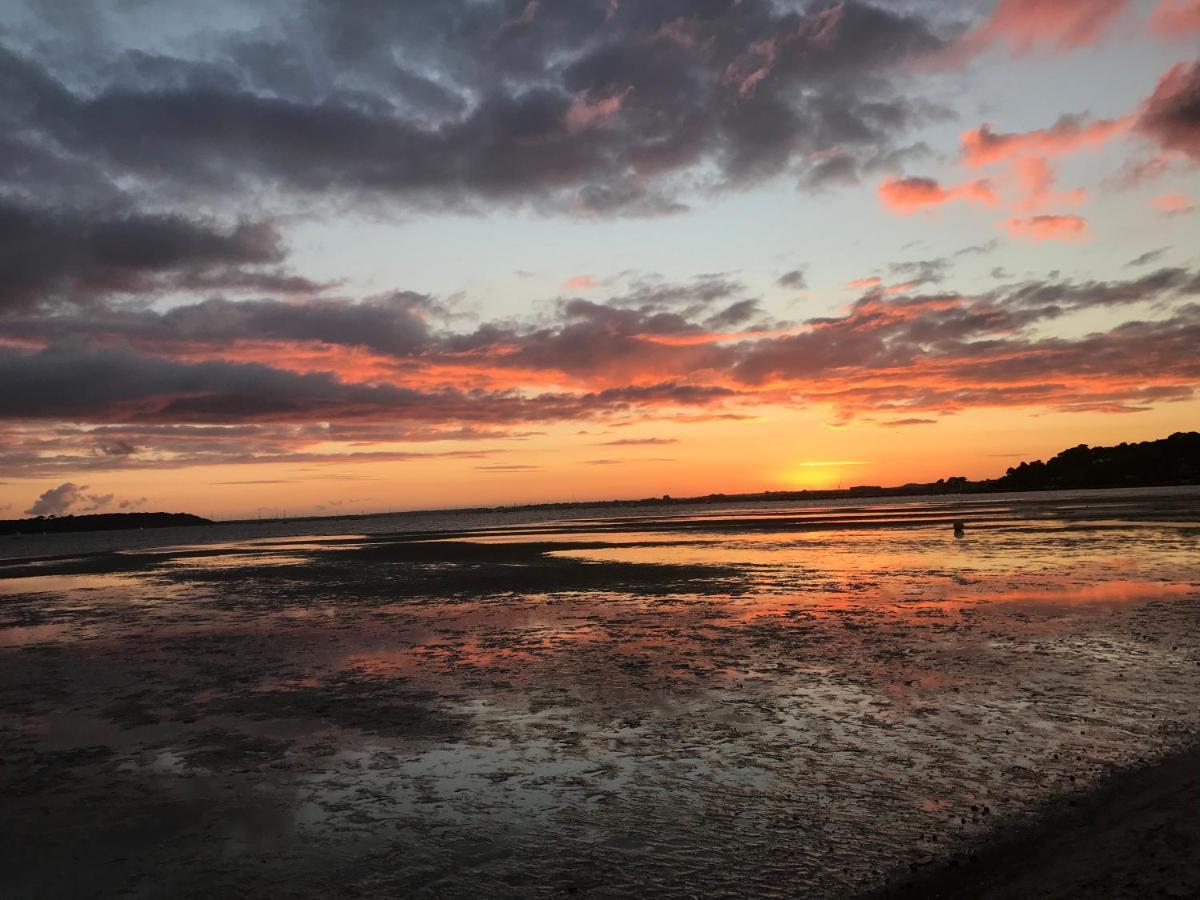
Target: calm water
710 701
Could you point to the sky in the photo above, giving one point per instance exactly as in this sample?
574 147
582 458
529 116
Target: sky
315 257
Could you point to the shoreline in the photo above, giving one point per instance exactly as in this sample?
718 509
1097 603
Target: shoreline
765 497
1135 834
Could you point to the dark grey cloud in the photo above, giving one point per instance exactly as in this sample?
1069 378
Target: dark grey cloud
57 500
51 255
573 105
71 383
921 272
1146 258
1171 115
978 249
1159 285
69 497
794 280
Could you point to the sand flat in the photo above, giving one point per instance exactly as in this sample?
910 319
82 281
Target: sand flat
772 702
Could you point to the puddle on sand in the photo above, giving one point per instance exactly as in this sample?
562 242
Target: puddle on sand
51 583
235 561
772 712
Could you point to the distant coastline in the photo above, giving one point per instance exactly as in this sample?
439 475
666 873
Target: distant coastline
1168 462
99 522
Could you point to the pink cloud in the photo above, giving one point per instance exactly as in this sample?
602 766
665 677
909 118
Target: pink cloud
982 146
584 113
908 195
746 74
1049 228
1036 179
1174 205
1176 19
580 283
1026 25
860 283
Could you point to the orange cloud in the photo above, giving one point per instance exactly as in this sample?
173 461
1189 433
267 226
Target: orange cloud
1176 18
982 146
908 195
1174 205
1049 228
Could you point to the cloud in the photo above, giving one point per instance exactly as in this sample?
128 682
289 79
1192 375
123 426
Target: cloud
1023 26
905 423
68 383
1175 19
794 280
1171 115
872 281
396 323
1048 228
1174 205
909 195
580 283
219 384
983 146
574 110
1037 182
978 249
56 501
1146 258
639 442
920 272
50 255
585 113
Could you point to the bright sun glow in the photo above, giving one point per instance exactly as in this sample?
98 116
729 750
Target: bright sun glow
821 475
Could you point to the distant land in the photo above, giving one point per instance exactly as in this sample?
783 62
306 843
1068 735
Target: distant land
99 522
1167 462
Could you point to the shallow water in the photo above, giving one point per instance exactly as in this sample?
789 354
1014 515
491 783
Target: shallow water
770 701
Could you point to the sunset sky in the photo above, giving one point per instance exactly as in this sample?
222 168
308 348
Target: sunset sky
333 257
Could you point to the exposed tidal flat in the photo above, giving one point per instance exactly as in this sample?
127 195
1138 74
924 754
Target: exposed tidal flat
778 702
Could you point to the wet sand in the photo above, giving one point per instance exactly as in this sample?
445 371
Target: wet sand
1135 835
811 702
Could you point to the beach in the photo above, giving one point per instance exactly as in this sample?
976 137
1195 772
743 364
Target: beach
834 700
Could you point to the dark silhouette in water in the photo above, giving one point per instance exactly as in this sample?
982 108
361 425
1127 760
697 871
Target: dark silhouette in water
960 529
101 522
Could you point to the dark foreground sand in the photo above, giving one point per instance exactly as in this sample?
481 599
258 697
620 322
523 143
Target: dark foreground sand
1136 835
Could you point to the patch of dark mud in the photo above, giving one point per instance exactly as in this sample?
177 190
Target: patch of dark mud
1136 835
50 770
218 750
370 705
452 568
